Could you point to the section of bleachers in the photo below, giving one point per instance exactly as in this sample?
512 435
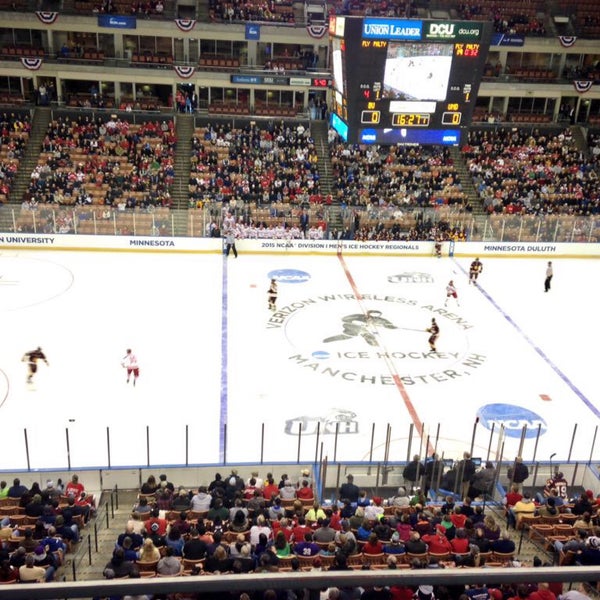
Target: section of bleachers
145 9
104 161
266 11
525 171
14 135
510 17
273 163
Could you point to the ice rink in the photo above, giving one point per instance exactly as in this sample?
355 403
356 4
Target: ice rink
346 351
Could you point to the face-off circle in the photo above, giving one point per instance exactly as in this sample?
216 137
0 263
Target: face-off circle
27 282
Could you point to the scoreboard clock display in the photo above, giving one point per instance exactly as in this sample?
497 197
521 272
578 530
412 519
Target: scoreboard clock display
406 81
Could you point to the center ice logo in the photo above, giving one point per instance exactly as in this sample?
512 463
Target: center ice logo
513 418
363 325
382 341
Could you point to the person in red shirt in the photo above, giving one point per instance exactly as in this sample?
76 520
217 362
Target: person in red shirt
305 492
285 526
301 529
335 520
271 489
86 501
513 496
249 490
457 518
74 488
373 545
543 593
401 592
438 542
460 542
155 518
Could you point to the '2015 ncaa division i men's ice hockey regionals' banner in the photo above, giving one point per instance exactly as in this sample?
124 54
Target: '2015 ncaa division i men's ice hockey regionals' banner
400 248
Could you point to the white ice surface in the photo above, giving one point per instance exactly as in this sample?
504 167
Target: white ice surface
508 342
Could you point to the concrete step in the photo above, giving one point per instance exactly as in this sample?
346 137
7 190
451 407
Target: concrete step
185 132
39 126
104 536
467 182
319 133
580 139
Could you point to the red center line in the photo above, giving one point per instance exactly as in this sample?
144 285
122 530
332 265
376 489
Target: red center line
390 365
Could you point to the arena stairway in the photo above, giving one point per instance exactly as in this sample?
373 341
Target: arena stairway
473 199
476 209
319 131
184 124
89 565
39 125
580 139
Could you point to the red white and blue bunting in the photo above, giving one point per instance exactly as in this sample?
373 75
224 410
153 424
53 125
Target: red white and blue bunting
184 72
583 86
185 24
46 17
566 41
33 64
317 30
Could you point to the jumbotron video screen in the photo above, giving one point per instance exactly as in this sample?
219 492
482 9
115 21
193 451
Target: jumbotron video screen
405 81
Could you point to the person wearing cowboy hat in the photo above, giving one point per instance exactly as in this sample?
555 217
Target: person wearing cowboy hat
304 476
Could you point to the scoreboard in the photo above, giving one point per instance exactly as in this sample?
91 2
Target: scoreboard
405 81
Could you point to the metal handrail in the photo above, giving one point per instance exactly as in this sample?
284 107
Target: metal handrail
104 512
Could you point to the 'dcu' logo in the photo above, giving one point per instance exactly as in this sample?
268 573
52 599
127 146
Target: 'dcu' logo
513 418
289 276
